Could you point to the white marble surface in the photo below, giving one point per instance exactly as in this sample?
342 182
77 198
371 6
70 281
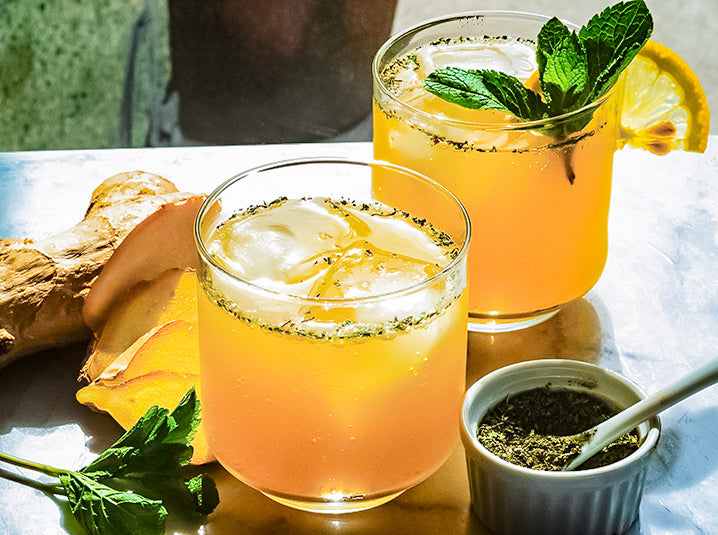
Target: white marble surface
652 316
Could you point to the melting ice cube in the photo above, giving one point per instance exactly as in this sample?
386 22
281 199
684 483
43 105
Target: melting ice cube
281 249
363 269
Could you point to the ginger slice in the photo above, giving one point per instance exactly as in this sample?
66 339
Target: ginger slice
127 401
172 346
156 370
162 241
171 296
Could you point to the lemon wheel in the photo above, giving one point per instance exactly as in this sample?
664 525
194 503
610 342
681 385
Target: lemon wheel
665 107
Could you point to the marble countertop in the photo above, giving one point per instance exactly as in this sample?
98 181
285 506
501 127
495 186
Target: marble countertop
652 316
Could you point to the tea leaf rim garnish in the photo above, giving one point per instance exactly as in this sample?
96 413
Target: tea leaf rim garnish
576 68
125 488
544 428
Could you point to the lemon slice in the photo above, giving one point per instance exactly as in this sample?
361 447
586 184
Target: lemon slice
665 107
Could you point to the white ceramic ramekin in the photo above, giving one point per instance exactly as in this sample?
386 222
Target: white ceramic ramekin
510 499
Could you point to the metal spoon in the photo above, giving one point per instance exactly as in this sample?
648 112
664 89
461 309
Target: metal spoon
607 431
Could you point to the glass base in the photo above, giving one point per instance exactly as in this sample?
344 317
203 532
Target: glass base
344 504
498 323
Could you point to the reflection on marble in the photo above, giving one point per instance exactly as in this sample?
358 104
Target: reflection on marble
575 332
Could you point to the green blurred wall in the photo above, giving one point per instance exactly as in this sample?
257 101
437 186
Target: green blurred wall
62 69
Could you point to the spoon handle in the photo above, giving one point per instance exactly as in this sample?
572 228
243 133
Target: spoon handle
609 430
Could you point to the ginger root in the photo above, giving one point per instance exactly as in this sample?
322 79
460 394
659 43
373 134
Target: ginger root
43 284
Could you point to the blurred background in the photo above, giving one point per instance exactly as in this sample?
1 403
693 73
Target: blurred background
132 73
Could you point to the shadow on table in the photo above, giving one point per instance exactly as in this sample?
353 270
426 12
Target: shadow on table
685 458
38 391
686 454
438 505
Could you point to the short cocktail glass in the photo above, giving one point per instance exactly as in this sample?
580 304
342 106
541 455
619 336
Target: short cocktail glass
332 321
537 192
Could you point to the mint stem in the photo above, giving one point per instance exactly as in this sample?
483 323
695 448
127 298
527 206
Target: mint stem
567 158
51 488
43 468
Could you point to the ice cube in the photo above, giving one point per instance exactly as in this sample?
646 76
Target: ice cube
283 248
363 269
326 249
511 56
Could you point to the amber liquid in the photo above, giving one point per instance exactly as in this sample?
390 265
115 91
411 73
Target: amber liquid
344 422
538 205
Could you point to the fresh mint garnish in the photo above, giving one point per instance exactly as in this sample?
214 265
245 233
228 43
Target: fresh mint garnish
575 68
564 78
486 90
123 490
612 39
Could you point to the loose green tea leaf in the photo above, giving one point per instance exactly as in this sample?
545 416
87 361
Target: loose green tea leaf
538 429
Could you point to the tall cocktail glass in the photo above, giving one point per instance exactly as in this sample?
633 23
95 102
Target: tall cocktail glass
537 192
332 321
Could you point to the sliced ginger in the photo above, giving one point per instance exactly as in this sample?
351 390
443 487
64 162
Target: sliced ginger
128 401
162 241
148 353
172 346
157 369
171 296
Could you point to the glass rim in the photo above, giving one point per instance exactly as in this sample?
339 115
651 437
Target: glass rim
452 265
499 127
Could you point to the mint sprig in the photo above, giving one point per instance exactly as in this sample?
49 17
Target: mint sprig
575 69
105 496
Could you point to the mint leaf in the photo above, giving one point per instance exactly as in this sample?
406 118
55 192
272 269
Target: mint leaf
102 510
565 76
204 493
485 89
575 69
152 453
186 416
158 443
549 38
119 492
198 494
612 39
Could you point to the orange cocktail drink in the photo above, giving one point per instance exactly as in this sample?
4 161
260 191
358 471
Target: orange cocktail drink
332 331
537 192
